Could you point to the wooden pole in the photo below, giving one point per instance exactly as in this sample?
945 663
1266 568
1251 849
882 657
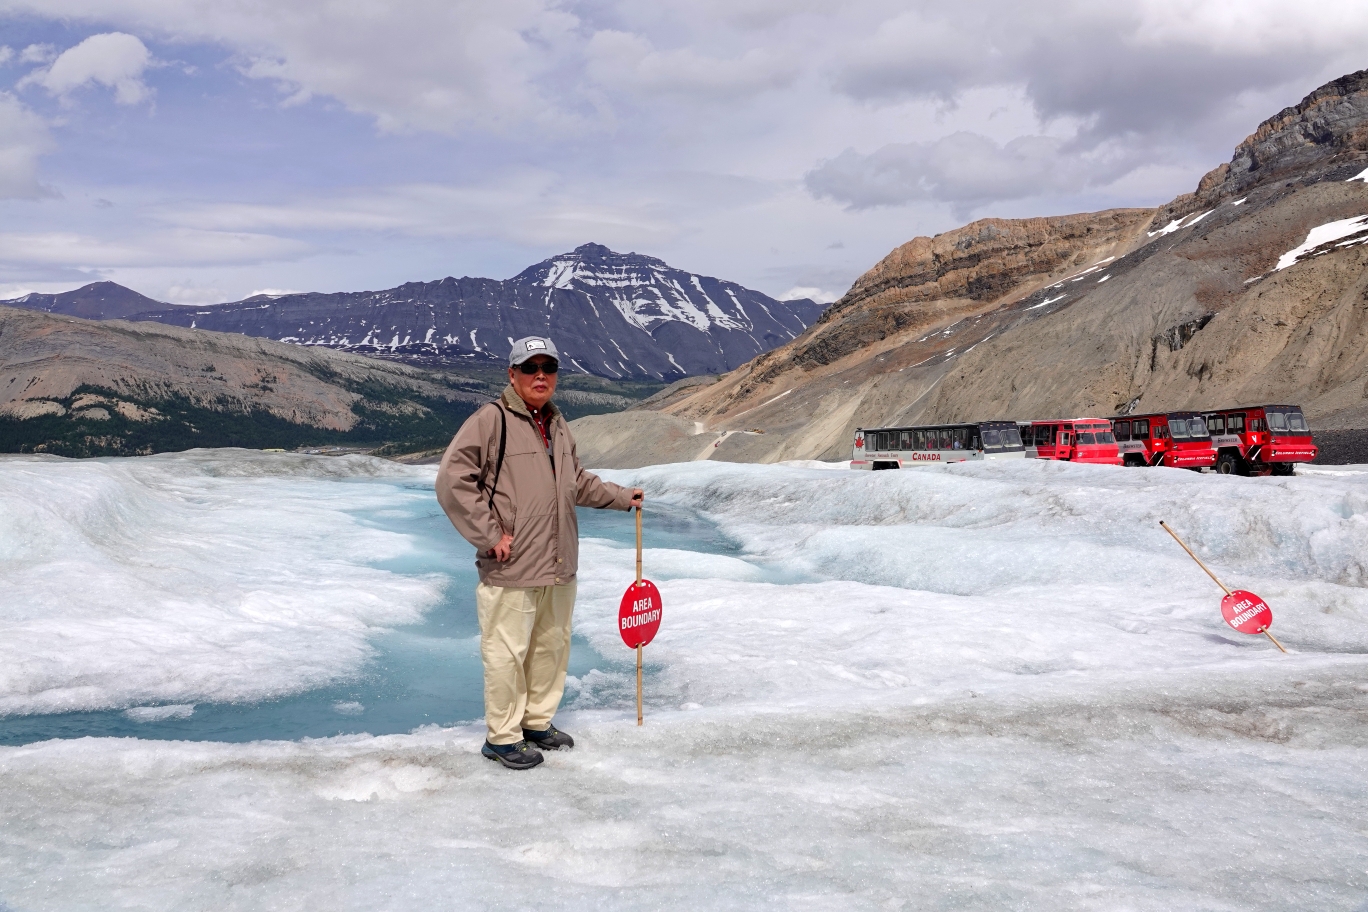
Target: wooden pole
1265 631
638 582
1194 557
1268 634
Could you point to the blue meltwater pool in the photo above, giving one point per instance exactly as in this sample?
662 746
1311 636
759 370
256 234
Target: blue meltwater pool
421 674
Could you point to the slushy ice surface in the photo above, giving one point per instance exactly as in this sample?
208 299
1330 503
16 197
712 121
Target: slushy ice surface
963 687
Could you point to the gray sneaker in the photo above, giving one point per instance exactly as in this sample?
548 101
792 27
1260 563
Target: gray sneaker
518 756
551 739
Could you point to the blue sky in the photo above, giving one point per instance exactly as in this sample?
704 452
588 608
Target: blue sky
201 151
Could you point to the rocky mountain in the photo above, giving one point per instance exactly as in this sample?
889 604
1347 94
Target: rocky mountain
1252 288
80 388
621 316
96 301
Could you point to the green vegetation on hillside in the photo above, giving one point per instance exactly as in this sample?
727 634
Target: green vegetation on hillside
109 423
392 420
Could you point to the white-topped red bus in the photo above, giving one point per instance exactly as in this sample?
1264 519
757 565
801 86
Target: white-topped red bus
1071 440
1260 439
1179 440
904 447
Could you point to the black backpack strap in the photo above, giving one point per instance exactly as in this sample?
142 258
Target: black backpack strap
503 442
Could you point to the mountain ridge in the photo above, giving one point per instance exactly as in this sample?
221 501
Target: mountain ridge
620 316
1252 287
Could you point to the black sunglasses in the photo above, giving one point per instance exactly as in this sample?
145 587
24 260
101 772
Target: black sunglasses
546 367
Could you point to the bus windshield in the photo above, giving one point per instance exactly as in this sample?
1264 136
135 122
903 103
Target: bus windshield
992 440
1104 435
1197 427
1287 422
1178 428
1011 437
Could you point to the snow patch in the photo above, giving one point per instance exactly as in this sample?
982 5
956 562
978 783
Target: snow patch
1324 234
1178 223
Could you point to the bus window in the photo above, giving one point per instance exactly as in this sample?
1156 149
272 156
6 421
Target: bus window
1044 435
1277 421
1296 421
1140 429
1011 438
919 440
992 440
943 438
1236 422
1216 423
1086 437
1197 428
1104 434
906 442
1121 429
1178 428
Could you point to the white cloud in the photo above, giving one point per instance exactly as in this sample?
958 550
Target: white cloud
38 53
114 60
184 246
966 169
23 138
808 291
6 54
440 65
733 137
629 63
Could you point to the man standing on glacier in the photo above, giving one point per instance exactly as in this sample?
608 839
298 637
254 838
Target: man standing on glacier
509 482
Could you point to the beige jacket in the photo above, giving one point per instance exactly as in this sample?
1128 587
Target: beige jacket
532 502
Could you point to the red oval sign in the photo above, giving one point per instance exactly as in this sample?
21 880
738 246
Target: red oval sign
1246 612
639 614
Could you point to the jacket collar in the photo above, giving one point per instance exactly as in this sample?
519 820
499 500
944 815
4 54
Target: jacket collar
514 403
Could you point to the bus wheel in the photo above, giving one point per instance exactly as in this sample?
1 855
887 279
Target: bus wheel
1284 468
1227 464
1134 462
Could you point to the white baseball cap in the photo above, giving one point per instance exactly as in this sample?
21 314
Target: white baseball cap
531 346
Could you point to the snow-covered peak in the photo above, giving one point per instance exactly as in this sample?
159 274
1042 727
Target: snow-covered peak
645 290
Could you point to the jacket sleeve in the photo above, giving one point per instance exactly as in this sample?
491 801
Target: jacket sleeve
458 481
592 491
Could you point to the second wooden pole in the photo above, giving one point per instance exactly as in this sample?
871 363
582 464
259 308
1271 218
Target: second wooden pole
638 531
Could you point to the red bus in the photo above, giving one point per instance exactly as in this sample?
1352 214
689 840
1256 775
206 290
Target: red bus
1071 439
1179 440
1260 439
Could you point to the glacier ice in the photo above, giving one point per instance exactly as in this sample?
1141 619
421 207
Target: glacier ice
212 576
971 686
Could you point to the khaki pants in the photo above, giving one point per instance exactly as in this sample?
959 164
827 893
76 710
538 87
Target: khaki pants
525 646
